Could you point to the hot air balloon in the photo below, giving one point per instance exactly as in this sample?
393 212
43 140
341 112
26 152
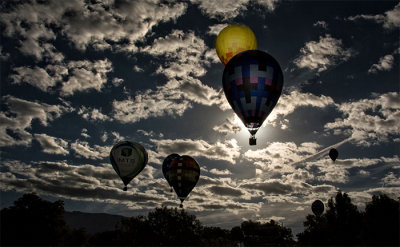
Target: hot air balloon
234 39
183 173
128 160
165 166
317 207
333 154
252 83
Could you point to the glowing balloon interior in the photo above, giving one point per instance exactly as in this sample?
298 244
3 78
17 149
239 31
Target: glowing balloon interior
252 83
234 39
128 160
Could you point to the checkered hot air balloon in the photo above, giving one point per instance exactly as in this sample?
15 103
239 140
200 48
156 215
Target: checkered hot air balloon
183 173
252 82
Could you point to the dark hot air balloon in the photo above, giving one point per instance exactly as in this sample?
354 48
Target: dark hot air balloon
317 207
252 83
333 154
165 166
128 160
183 174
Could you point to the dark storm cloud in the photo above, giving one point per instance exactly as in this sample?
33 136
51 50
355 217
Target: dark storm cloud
272 187
225 191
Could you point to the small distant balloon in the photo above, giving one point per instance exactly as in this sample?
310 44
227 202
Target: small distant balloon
317 207
333 154
183 173
234 39
128 160
252 83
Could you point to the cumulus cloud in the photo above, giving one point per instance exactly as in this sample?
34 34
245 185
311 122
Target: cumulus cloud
86 75
225 9
95 152
385 64
81 76
185 60
93 114
288 103
322 24
369 121
16 121
52 145
84 182
321 55
227 150
390 19
85 23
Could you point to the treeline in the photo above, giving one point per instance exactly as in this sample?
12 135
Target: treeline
34 221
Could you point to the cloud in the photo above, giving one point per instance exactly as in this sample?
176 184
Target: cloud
227 150
98 24
84 182
391 180
322 24
93 114
225 191
16 121
270 187
80 76
225 9
385 64
52 145
390 19
86 75
230 125
215 29
84 133
84 150
184 54
220 172
369 121
288 103
321 55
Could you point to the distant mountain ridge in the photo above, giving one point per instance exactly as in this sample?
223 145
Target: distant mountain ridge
92 222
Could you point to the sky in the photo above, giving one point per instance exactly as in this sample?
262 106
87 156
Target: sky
79 76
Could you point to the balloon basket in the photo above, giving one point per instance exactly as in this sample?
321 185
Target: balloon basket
181 205
252 141
125 188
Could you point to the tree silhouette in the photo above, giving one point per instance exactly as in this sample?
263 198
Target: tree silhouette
381 221
343 224
270 233
33 221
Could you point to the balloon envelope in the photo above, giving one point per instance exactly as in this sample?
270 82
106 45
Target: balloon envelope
252 83
183 173
234 39
333 154
166 164
128 160
317 207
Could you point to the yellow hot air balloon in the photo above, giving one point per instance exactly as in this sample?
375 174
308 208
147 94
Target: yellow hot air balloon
234 39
